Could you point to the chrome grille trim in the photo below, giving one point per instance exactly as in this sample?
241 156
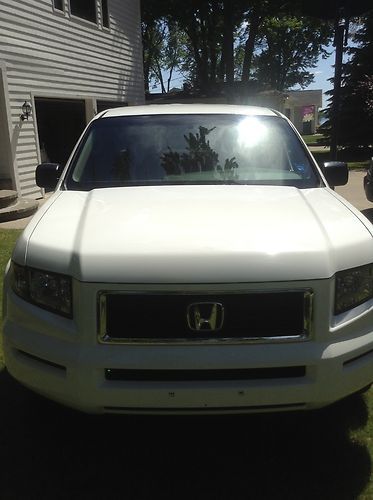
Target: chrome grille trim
306 335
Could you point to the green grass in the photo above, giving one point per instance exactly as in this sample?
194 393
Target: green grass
362 436
358 160
48 451
8 238
353 162
358 165
313 139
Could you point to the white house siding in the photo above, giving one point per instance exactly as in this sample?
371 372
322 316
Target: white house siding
49 53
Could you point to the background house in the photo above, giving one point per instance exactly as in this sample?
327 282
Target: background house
69 59
300 106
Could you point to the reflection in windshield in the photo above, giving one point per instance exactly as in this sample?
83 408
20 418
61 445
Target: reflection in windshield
190 149
122 166
198 157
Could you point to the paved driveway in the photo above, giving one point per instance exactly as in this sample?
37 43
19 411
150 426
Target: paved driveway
354 191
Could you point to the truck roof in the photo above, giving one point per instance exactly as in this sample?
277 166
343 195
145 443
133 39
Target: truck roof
175 109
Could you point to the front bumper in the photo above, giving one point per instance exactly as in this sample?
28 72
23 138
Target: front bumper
78 377
64 361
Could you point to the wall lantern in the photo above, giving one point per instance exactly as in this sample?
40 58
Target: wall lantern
26 111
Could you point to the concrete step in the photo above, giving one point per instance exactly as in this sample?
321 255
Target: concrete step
7 197
23 208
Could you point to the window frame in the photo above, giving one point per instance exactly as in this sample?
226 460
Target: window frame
57 10
102 14
83 19
104 4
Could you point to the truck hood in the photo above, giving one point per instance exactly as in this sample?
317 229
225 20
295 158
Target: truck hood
196 234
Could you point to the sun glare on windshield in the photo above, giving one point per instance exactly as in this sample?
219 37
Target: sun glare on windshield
251 131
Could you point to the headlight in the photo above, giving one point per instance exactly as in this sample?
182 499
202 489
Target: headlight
48 290
353 287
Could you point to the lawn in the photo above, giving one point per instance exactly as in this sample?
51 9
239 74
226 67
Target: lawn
355 163
314 139
7 240
48 451
354 159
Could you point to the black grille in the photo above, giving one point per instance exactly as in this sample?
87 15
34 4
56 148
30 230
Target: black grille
162 316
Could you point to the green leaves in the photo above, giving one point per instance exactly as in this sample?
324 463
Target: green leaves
210 42
289 47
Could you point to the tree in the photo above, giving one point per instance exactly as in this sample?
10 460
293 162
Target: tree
208 28
153 45
289 46
202 23
221 38
164 45
356 111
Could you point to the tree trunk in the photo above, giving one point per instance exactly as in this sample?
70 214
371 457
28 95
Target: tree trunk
335 108
146 49
228 45
170 78
192 32
212 22
146 77
158 71
205 60
254 20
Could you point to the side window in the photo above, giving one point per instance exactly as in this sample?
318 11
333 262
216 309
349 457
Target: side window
86 9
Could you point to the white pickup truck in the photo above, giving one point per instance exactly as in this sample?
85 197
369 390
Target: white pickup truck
193 258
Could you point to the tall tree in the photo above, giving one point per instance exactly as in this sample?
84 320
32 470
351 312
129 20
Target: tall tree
209 26
152 38
289 47
356 111
164 44
254 18
256 12
153 45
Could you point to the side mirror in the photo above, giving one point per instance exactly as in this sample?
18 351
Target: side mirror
47 175
336 173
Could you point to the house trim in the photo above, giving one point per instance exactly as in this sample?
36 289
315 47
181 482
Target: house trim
11 136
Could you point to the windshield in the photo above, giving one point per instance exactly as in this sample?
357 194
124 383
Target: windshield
190 149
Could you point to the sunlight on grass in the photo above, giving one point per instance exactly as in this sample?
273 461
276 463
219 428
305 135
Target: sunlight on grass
353 162
360 165
313 139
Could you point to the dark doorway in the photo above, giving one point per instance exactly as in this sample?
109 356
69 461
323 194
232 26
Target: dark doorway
60 123
307 128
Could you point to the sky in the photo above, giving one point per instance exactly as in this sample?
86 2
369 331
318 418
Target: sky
323 72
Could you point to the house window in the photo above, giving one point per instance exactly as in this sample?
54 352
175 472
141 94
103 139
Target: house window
58 4
105 13
86 9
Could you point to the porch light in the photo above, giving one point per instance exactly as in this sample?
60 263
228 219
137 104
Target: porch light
26 111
